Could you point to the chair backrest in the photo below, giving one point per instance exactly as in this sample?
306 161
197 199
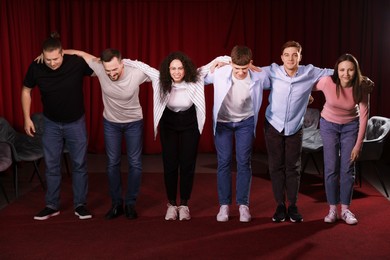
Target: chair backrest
7 132
5 156
378 129
311 119
311 139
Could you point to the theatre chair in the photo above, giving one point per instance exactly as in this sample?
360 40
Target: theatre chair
378 129
311 140
24 149
5 162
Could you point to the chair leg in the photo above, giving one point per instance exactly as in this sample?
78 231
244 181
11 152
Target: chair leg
305 161
380 179
15 168
358 173
315 163
36 169
5 193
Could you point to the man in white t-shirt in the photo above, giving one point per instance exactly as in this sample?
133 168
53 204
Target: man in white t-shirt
238 94
122 116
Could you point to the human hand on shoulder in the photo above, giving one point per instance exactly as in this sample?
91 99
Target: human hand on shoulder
367 84
254 68
216 65
39 59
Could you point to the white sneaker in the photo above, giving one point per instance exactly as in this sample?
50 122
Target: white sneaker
184 213
332 216
245 215
349 217
223 214
171 212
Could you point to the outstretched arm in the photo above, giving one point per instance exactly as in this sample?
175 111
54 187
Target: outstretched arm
86 56
151 72
216 63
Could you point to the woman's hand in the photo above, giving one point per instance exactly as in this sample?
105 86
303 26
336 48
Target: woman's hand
355 154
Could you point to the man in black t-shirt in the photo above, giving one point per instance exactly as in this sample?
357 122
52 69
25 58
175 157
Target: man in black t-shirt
60 81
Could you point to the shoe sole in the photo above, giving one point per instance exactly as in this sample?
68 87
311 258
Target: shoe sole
350 223
278 220
83 217
245 220
47 216
223 220
296 220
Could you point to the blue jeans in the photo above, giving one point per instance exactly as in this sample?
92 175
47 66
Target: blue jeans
113 133
75 136
339 140
243 134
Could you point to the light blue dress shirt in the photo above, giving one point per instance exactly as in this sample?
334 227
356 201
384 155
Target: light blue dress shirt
289 96
222 80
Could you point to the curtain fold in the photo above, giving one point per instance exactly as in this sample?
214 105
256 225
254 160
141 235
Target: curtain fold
149 30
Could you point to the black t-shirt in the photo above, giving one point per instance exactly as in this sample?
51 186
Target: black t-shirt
61 89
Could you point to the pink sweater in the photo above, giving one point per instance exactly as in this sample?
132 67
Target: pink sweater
343 109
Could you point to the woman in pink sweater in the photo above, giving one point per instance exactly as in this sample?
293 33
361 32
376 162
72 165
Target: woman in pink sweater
343 125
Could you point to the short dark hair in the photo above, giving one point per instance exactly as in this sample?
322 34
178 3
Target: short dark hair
241 55
52 43
108 54
292 44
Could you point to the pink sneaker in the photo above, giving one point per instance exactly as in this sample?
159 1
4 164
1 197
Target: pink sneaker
349 217
332 216
171 212
245 215
223 214
184 213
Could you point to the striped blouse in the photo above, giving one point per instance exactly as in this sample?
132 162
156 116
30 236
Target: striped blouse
195 91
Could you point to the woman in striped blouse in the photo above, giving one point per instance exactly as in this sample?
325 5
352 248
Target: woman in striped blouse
179 108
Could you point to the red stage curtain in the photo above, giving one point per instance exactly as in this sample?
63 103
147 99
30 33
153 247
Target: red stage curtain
148 30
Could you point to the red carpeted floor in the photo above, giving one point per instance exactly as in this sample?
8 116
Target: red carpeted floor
151 237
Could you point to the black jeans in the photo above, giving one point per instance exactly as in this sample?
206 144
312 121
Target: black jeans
179 135
284 160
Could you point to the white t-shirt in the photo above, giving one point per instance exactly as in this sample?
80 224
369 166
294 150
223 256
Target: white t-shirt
237 105
120 98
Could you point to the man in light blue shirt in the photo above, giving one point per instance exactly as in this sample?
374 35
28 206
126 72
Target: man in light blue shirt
291 85
238 95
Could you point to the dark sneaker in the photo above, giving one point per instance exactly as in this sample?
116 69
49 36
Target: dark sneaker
294 214
130 212
46 213
114 212
82 212
280 214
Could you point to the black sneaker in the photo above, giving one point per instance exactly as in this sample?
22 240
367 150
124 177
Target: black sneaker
46 213
280 214
82 212
294 214
130 212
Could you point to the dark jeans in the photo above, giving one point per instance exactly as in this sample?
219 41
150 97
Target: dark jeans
75 136
284 159
179 137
